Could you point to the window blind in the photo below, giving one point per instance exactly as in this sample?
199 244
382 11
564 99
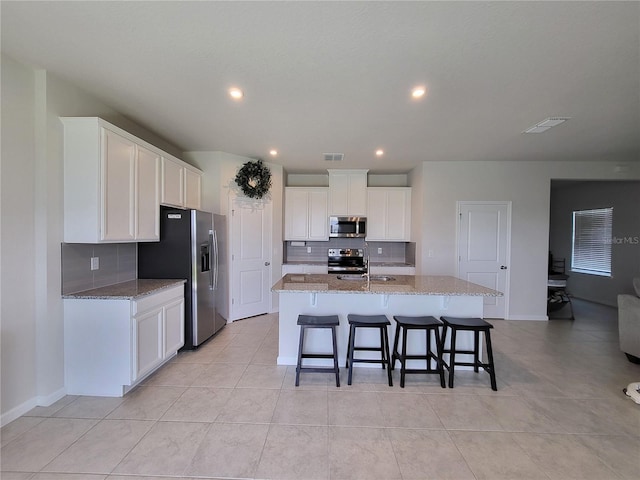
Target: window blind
591 244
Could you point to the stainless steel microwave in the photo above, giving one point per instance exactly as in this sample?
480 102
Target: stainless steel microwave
349 227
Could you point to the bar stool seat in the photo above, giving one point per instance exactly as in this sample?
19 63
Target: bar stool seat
428 324
312 321
369 321
475 325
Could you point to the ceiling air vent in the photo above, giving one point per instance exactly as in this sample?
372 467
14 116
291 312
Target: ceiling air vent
333 157
546 124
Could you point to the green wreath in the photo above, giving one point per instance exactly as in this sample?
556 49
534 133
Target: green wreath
254 179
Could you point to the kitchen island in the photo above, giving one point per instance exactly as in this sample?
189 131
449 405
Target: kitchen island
410 295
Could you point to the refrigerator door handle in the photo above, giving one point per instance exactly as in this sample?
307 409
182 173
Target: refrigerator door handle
216 263
211 247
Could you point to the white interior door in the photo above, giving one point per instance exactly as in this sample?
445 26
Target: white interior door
483 249
250 258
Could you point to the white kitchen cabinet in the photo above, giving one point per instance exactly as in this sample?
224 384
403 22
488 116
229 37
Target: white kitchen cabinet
147 217
112 344
389 214
305 212
147 338
111 188
173 183
181 184
303 268
193 187
347 192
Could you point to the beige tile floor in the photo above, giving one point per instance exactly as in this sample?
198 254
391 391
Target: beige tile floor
228 411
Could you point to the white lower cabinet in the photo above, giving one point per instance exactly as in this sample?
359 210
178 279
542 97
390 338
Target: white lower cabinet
112 344
147 338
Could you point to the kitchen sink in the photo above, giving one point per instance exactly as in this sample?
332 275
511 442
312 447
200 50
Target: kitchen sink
373 278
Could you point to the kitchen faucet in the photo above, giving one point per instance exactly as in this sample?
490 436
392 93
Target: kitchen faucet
367 260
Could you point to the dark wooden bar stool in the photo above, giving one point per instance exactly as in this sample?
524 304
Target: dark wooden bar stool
369 321
310 321
429 325
475 325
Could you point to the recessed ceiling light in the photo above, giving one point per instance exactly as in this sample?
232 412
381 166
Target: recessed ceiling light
418 92
273 152
379 152
236 93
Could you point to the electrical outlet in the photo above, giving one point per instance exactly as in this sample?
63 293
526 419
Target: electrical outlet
95 263
379 250
430 253
308 249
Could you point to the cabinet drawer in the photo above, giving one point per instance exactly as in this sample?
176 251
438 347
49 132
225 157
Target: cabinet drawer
157 299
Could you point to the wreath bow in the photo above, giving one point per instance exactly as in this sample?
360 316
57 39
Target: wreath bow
254 179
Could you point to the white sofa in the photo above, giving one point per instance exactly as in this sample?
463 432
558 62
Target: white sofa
629 323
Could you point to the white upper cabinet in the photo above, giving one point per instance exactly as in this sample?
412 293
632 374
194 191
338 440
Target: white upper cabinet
193 187
181 184
147 195
117 188
173 173
389 214
111 188
347 192
306 216
114 183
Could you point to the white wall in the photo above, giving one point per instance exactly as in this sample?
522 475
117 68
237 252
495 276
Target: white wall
416 182
17 225
219 189
527 186
31 232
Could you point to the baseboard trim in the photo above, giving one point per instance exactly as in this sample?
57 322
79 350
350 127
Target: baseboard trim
24 407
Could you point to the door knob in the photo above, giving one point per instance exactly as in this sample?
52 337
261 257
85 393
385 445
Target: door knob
266 264
503 267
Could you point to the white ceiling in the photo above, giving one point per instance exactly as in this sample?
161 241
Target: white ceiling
335 76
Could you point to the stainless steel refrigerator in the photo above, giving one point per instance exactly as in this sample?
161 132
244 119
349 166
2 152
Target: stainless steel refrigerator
188 248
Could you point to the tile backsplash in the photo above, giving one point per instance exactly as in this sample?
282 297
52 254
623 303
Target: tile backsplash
397 252
118 263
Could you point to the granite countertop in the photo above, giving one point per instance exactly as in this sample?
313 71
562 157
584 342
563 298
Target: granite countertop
131 290
401 285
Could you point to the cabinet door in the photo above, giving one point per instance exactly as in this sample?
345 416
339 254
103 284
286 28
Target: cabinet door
338 194
348 192
173 327
398 213
147 195
318 215
358 194
376 214
193 184
118 188
149 351
172 183
296 214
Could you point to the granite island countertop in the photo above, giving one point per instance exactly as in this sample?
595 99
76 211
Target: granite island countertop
131 290
400 285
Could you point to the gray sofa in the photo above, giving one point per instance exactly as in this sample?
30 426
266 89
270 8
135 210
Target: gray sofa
629 323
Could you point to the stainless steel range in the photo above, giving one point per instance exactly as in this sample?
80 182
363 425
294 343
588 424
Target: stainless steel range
346 260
